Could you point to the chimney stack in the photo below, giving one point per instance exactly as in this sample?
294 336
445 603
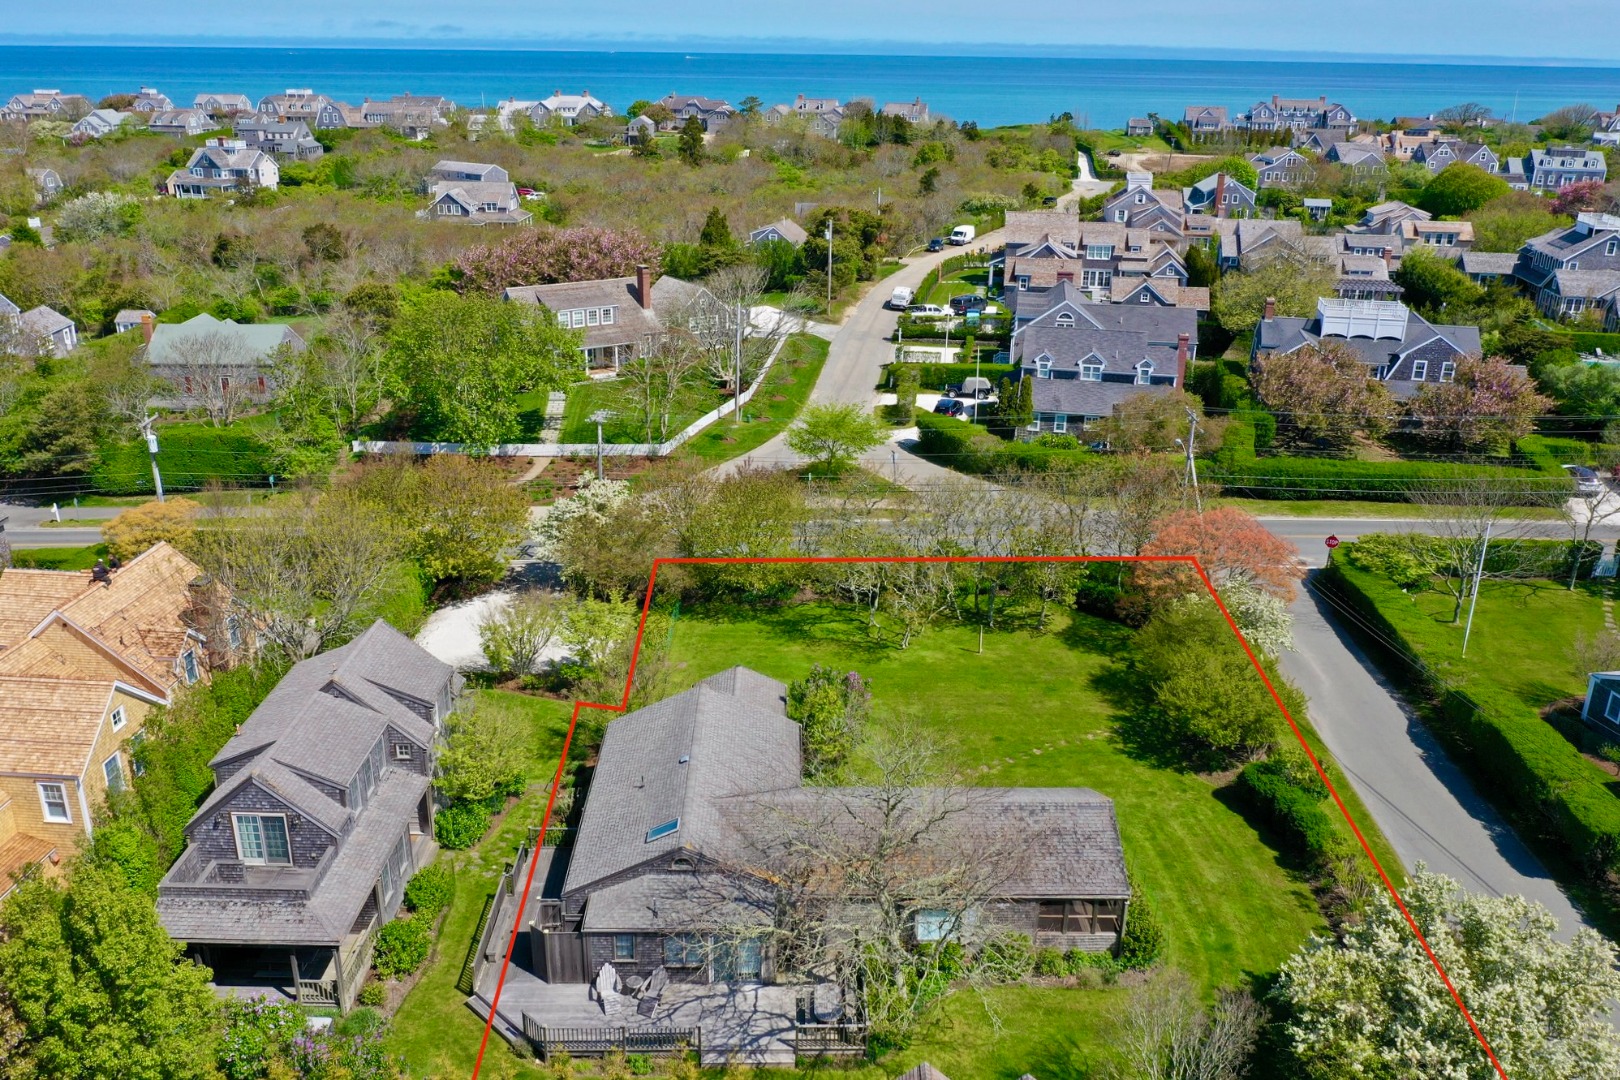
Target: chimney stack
1182 341
1389 258
644 286
1220 194
1066 275
1271 307
146 327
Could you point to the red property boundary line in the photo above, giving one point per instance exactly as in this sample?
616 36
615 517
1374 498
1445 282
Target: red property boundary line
1190 560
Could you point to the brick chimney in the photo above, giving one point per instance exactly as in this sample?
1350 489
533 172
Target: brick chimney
1389 258
1271 307
1220 194
1066 275
1182 341
146 327
644 286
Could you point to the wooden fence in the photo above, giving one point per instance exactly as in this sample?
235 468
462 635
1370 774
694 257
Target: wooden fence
600 1041
829 1040
495 929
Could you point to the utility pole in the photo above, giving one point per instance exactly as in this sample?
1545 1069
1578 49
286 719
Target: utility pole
152 449
829 267
1479 572
1192 462
737 387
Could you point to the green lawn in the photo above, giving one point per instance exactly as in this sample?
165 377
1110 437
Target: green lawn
1035 710
971 280
434 1030
1104 141
58 558
585 398
773 408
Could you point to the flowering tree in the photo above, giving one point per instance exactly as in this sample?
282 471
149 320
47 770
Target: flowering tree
1488 402
1321 393
1579 196
542 256
1373 1005
1232 547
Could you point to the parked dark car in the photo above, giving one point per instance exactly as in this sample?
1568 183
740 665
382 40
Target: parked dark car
967 302
937 244
1050 200
949 407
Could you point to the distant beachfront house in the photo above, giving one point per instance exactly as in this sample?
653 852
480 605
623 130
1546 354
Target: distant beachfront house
712 113
1138 127
320 112
222 104
224 165
278 135
411 115
1205 119
1296 114
45 105
568 109
149 100
185 123
916 110
824 115
98 122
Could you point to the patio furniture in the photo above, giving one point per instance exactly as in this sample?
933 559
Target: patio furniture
827 1002
651 991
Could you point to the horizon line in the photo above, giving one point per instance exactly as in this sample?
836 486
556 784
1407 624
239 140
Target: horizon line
803 46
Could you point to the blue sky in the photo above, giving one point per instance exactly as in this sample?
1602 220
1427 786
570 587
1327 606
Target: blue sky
1494 28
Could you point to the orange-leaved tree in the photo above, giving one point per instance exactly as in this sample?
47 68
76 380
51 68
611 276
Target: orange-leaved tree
1232 547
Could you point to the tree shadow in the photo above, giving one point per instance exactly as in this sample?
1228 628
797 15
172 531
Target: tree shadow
1289 861
1143 733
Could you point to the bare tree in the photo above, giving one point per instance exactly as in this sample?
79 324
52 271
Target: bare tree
1594 652
1142 489
858 871
304 571
655 384
351 356
1463 517
1582 514
211 371
1166 1034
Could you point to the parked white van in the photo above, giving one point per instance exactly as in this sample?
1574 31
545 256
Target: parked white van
963 234
900 299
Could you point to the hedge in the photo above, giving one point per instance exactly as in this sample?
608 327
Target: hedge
189 456
1511 752
1239 471
939 376
969 448
1291 810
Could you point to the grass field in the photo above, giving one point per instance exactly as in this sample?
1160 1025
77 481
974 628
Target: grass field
434 1030
58 558
586 398
773 408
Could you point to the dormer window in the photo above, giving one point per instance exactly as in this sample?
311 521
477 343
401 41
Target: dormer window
1043 367
1140 198
1144 372
1064 318
261 839
1091 370
1612 247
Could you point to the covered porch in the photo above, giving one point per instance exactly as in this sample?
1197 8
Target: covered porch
305 975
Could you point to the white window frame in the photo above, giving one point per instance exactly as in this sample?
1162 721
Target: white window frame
189 669
1035 424
264 860
1144 373
577 318
119 718
1611 708
593 316
1063 318
1612 247
1043 367
1099 252
607 316
45 805
1090 372
1060 423
1121 214
1448 370
1420 370
402 752
113 771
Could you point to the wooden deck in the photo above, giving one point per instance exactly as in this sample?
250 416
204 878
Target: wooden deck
751 1024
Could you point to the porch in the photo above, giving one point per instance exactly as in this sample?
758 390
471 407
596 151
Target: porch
754 1024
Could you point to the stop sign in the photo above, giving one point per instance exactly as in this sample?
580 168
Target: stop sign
1332 542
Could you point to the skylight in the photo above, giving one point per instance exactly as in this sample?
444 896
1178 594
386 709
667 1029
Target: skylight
658 832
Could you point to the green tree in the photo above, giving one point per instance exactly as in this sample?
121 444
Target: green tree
1203 269
483 754
99 987
835 435
831 707
515 637
750 105
1505 223
1460 188
716 231
1238 168
637 107
1240 298
691 144
461 363
1369 1002
1433 283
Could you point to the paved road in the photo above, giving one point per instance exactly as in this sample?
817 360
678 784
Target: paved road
1429 810
24 528
1309 533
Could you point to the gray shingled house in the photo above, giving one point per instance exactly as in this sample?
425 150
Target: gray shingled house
663 872
320 813
1400 348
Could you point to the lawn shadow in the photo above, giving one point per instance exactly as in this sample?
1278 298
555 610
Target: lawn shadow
1142 731
842 625
1060 1057
1292 863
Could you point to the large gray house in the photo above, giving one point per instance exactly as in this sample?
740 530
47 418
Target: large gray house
320 812
1573 268
666 871
1399 347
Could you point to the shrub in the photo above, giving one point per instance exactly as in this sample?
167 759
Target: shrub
460 825
141 527
1143 941
1049 961
402 946
189 456
1297 814
1007 958
255 1034
373 995
430 890
939 376
831 707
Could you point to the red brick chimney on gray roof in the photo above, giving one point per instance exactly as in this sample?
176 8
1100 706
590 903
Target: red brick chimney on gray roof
1182 342
1271 307
1220 193
644 286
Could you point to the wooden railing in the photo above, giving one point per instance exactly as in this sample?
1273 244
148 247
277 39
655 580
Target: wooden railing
598 1042
317 992
819 1040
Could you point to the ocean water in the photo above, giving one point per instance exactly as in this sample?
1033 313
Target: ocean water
1099 91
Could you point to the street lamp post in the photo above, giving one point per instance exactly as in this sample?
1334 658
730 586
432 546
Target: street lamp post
600 416
829 267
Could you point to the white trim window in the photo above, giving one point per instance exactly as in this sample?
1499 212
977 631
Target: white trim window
593 316
1144 373
1120 214
1099 252
1448 370
1420 370
1611 708
261 839
118 718
113 770
1091 371
607 315
53 802
188 666
1043 367
1060 423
